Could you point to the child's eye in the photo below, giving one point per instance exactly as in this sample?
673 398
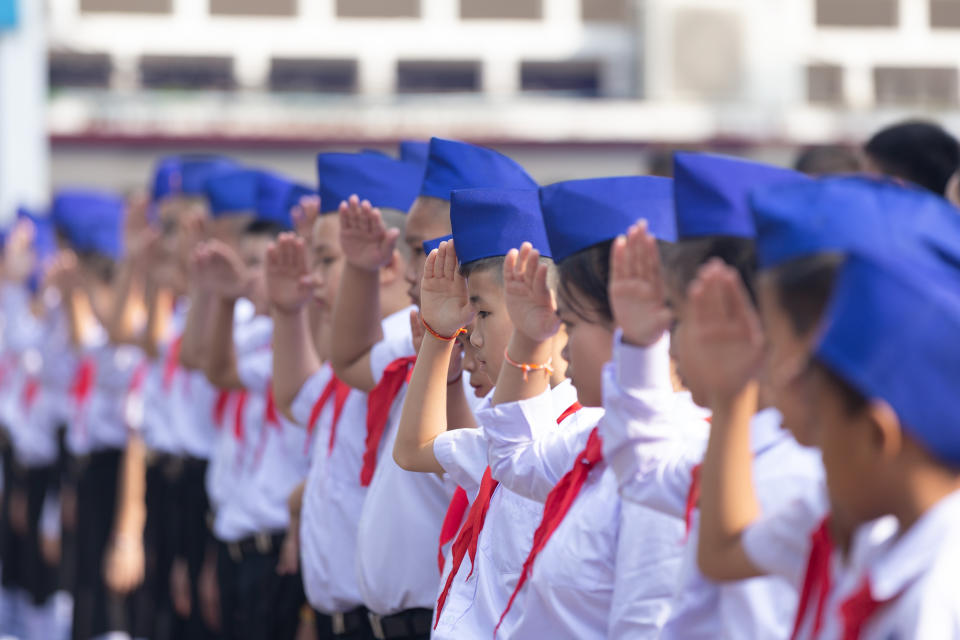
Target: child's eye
329 261
483 314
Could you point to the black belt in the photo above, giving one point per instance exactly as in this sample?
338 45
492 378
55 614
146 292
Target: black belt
260 544
404 624
338 624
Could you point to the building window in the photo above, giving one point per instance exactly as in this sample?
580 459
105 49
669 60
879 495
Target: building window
79 70
603 10
186 72
911 86
501 9
378 8
126 6
945 14
569 78
825 84
415 76
857 13
303 74
253 7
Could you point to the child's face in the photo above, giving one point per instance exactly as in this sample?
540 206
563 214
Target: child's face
429 218
479 380
491 324
786 354
253 250
589 346
326 262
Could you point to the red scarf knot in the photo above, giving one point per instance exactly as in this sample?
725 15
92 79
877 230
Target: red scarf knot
379 401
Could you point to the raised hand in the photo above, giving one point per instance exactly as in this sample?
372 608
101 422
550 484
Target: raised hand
416 329
366 242
221 271
64 272
636 287
443 292
531 304
286 270
723 333
18 256
304 214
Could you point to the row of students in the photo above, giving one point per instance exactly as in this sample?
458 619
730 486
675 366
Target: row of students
592 476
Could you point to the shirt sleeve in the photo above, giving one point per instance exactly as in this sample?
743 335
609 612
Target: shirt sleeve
308 395
528 454
650 444
255 369
463 455
649 558
396 345
779 543
21 330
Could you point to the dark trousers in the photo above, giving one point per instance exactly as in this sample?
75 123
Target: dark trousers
193 540
37 576
255 602
96 610
13 481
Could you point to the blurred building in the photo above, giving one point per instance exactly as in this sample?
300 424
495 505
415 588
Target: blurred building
279 79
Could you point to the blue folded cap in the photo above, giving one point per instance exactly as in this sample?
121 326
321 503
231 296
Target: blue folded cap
415 151
711 193
90 220
166 178
890 332
581 213
274 193
44 244
386 182
296 192
489 222
850 213
196 170
430 245
233 191
453 165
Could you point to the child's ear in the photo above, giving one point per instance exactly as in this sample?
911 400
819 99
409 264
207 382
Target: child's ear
887 429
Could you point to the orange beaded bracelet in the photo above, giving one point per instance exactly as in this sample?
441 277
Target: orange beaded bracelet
436 335
527 368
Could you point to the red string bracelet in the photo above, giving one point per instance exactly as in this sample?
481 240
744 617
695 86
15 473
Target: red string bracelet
527 368
440 337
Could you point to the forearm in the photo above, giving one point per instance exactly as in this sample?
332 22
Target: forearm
294 357
459 414
295 502
159 311
424 415
117 317
728 500
513 383
221 365
356 325
131 509
193 347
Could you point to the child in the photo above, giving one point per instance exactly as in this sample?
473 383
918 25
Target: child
332 413
597 568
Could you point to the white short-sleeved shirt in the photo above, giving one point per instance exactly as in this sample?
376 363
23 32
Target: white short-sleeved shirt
160 392
403 512
474 604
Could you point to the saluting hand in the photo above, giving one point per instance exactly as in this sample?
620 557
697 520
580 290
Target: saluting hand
286 272
18 256
636 287
220 270
723 335
304 214
443 292
530 302
366 242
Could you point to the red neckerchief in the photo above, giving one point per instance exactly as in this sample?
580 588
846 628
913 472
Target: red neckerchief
857 610
466 542
693 498
559 501
220 408
82 387
30 390
456 510
171 362
271 419
816 581
379 401
339 392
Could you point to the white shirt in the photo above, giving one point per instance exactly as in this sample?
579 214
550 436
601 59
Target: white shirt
473 606
401 518
660 476
160 394
609 570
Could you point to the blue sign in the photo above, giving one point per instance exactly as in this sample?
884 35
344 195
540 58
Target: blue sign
8 14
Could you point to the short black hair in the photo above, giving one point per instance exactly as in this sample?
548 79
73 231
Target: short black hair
804 286
99 264
853 399
922 152
822 160
493 263
588 271
264 228
682 261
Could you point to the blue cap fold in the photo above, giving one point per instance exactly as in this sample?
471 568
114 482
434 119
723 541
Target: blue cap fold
196 170
386 182
233 191
890 332
415 151
274 199
850 213
711 193
581 213
453 165
430 245
167 178
90 220
490 222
